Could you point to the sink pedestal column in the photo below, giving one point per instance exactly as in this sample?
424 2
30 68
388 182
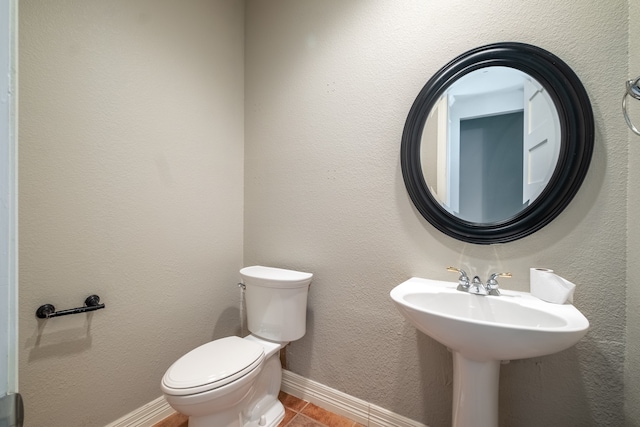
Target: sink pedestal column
475 392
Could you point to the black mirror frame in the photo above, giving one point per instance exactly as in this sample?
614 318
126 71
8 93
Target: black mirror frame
576 131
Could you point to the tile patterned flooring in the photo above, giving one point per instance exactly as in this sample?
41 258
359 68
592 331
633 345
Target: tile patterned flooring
297 413
300 413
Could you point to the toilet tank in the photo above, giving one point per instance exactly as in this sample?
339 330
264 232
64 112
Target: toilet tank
276 302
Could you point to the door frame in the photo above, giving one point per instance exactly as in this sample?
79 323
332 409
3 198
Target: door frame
8 197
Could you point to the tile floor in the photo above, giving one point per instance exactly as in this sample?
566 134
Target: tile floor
298 413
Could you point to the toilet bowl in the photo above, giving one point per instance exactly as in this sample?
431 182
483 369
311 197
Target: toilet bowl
233 381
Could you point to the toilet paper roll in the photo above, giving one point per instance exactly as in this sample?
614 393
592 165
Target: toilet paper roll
550 287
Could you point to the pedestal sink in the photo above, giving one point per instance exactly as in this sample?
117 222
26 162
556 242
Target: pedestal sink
482 331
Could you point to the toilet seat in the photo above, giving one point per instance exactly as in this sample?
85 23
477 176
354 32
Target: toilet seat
212 365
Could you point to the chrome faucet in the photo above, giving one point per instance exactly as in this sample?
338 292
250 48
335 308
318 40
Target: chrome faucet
463 280
492 283
475 286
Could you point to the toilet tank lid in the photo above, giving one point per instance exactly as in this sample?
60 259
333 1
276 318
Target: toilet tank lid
276 277
213 365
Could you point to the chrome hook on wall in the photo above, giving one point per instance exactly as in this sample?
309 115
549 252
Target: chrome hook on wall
633 90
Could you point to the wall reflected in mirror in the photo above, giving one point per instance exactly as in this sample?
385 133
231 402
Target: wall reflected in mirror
490 144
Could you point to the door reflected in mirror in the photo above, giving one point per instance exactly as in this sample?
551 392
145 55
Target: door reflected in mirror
490 144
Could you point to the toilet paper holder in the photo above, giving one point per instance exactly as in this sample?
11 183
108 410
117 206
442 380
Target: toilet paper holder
47 311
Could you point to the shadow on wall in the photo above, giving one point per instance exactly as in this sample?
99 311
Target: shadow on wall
62 342
229 323
557 383
435 374
305 344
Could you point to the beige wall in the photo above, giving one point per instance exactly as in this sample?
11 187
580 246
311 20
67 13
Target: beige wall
131 151
632 373
329 85
131 183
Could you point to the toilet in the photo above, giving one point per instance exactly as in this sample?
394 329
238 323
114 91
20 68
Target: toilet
233 381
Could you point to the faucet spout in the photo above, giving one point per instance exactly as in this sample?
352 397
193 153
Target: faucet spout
476 287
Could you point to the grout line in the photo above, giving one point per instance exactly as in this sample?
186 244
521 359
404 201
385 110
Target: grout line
300 413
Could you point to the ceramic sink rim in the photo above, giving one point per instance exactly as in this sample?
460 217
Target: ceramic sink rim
572 318
453 325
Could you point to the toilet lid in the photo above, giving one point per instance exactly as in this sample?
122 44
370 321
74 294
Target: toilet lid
213 365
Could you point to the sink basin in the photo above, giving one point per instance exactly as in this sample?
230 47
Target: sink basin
481 331
514 325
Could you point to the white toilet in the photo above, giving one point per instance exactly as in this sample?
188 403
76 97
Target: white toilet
233 381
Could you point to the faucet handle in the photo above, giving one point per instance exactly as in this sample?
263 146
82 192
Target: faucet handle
496 275
463 280
492 283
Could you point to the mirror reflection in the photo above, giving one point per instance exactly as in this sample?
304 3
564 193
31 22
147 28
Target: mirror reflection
490 144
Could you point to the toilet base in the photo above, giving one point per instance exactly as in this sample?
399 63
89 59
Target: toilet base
224 419
271 417
263 408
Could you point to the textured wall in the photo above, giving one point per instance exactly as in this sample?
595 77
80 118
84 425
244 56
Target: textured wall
130 187
632 377
329 85
131 182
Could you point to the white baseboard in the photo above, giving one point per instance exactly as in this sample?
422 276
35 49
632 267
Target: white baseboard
327 398
342 404
146 416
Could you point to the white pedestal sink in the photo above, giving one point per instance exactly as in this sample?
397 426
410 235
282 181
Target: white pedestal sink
481 331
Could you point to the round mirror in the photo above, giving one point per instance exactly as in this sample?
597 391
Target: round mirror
497 143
